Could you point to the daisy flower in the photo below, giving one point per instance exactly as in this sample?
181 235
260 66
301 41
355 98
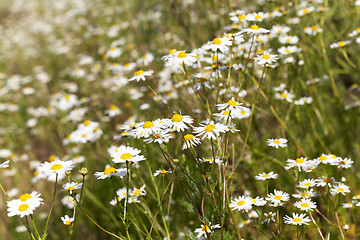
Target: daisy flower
181 58
113 52
303 100
210 160
288 39
339 188
123 154
162 172
171 54
254 29
190 140
159 137
241 203
258 201
5 164
178 122
231 105
136 192
67 220
265 176
57 167
305 11
349 204
314 30
210 130
25 205
110 171
281 142
340 44
328 158
278 196
205 230
285 95
221 44
297 219
269 217
266 58
343 163
305 204
70 187
141 74
113 111
145 129
307 183
308 193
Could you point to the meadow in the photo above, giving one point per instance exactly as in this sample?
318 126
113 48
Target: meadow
179 119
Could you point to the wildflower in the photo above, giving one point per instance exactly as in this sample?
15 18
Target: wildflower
305 11
141 74
221 44
159 137
113 52
70 187
123 154
182 58
339 44
231 105
288 39
349 204
56 167
307 183
5 164
68 201
266 58
110 171
145 129
269 217
190 140
162 172
241 203
303 100
281 142
258 201
305 204
343 163
299 162
328 158
25 205
265 176
178 122
297 219
67 220
113 111
136 192
278 196
288 50
285 95
254 29
314 30
210 130
308 193
280 87
204 230
339 188
211 160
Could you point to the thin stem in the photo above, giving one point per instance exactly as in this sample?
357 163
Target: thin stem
52 205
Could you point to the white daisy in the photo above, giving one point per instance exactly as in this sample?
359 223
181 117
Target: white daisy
281 142
297 219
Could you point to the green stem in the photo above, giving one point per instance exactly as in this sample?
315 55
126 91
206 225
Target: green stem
52 205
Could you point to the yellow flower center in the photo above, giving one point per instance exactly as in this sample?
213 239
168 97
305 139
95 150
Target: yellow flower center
322 158
305 205
52 158
126 156
109 170
297 220
70 188
254 27
68 222
181 55
258 17
240 203
210 128
242 17
25 197
307 184
304 194
217 41
342 43
137 192
314 28
113 107
340 189
266 175
138 73
226 113
232 103
342 162
176 118
172 51
148 124
277 142
86 122
23 207
163 171
266 56
56 167
205 228
188 137
287 50
300 160
278 197
306 10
